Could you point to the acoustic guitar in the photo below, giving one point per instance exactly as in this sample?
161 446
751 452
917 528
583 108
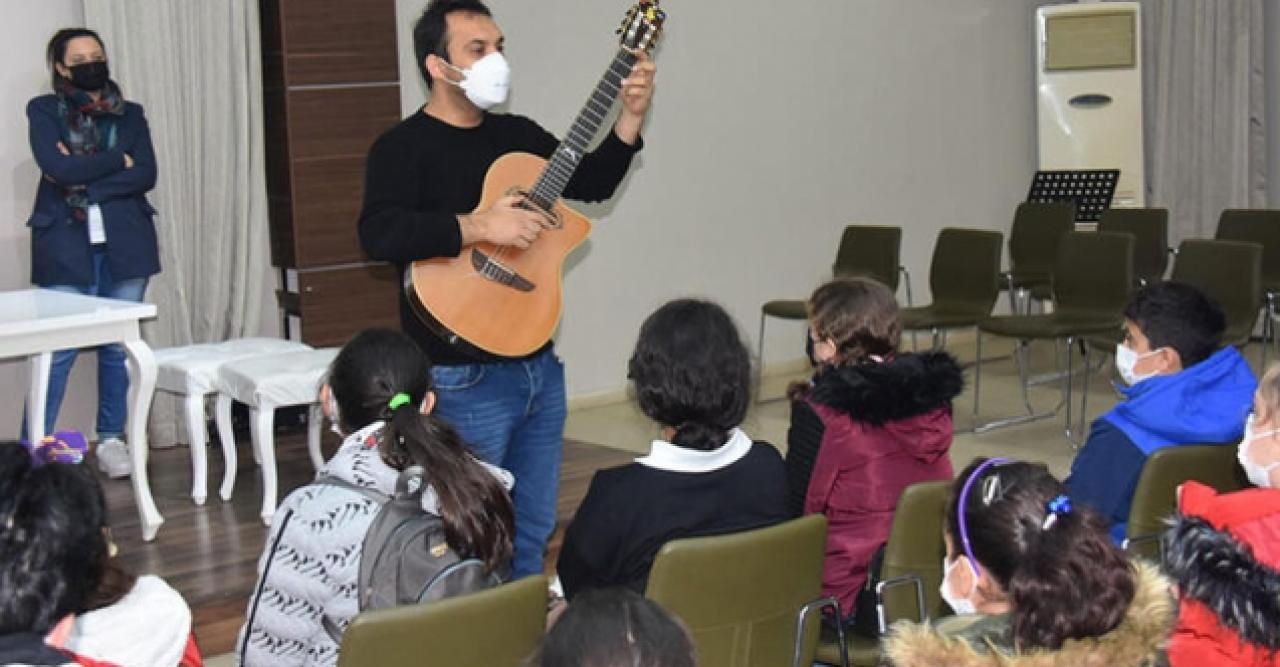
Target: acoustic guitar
503 300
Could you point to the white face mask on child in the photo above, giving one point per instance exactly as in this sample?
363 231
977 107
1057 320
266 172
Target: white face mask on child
1126 359
960 605
1259 475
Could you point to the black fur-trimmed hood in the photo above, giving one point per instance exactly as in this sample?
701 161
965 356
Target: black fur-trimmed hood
877 393
1213 567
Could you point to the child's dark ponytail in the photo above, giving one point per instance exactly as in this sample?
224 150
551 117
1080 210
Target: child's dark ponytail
382 375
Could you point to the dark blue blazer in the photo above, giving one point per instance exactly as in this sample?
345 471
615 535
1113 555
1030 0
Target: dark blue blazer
60 251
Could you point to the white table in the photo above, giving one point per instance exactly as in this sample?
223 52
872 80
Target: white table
35 323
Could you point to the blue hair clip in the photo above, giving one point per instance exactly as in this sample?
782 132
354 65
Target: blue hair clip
1059 506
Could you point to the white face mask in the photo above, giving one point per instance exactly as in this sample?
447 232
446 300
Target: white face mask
1126 359
960 605
486 82
1259 475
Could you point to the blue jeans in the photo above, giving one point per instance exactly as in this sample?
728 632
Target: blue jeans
512 414
113 373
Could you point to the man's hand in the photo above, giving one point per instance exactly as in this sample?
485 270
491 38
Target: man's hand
504 223
636 94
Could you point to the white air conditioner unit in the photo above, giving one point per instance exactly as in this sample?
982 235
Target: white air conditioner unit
1089 85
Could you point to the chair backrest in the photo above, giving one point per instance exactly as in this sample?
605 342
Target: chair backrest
739 594
1261 226
499 627
1094 273
1229 272
1150 230
871 251
1037 228
964 275
1156 496
916 547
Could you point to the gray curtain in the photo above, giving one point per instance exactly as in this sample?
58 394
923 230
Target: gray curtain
195 65
1206 110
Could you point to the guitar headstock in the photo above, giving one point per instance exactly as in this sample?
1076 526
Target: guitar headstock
642 26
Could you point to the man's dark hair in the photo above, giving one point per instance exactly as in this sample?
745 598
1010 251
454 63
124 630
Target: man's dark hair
52 548
1177 315
430 34
692 372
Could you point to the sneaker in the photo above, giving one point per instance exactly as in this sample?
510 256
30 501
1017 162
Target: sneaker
113 458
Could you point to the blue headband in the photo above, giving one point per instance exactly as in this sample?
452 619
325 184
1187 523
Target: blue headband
960 508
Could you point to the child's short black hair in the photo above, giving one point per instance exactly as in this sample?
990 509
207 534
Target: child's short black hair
1177 315
692 372
615 626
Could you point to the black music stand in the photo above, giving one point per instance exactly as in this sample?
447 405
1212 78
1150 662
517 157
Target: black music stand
1091 190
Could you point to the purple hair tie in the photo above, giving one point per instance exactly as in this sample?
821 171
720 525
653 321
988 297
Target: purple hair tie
964 499
60 447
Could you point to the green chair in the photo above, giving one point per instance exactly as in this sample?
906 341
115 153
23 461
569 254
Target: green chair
1091 283
1261 226
1150 230
747 598
499 627
964 277
913 555
1033 250
871 251
1156 496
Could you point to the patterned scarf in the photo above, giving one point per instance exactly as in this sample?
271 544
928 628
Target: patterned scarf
91 126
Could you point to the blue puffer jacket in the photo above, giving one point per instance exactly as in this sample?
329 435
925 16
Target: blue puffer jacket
1204 404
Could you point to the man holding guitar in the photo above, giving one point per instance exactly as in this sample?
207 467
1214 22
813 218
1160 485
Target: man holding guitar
424 179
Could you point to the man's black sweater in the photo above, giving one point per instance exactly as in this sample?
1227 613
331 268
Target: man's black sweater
423 172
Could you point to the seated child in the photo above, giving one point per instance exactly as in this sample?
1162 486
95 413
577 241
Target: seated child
1034 580
1183 390
378 395
872 422
703 476
615 627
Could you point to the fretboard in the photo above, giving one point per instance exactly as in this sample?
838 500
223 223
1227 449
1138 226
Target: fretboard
569 153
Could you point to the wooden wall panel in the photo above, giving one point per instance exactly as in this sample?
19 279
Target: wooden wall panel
338 303
328 198
340 122
339 41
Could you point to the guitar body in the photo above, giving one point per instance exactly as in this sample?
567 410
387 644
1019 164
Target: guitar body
462 300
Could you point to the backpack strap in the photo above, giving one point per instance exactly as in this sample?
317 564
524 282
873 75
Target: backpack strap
372 494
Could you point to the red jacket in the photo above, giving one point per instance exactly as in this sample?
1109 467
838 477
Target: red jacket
1224 555
879 428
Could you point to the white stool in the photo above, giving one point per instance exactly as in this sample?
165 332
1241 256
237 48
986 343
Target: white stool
264 384
191 371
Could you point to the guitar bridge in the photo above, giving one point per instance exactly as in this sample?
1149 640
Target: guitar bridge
498 272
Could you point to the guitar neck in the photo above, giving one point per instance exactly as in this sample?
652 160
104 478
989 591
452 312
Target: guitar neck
569 153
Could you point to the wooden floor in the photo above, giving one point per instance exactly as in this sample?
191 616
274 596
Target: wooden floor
210 553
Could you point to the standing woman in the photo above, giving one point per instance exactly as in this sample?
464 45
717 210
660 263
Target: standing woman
91 228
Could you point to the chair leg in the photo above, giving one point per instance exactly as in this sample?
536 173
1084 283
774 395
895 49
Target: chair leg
1021 357
760 360
802 618
261 421
1067 380
193 414
977 374
906 283
227 437
314 419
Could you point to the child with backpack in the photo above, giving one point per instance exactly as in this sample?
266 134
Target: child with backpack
334 541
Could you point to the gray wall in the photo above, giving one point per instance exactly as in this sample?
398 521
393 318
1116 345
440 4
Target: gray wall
774 125
1272 42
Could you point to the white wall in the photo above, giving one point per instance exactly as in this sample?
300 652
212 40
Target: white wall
23 36
774 125
1272 72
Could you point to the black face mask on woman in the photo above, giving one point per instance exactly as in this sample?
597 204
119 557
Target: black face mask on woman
90 75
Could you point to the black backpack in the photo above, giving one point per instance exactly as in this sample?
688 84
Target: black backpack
404 558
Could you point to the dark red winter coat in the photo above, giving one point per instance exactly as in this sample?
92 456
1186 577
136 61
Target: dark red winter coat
858 437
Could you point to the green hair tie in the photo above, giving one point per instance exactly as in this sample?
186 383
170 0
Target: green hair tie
398 400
